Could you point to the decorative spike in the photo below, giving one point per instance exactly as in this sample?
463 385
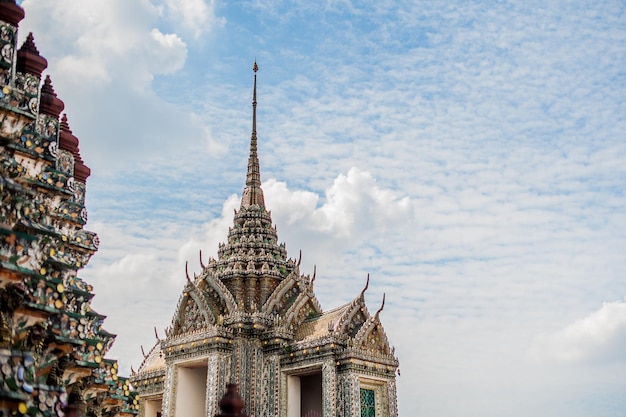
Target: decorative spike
255 68
252 193
381 306
29 43
187 271
143 352
156 334
367 284
132 371
69 142
201 263
28 58
300 258
314 273
49 103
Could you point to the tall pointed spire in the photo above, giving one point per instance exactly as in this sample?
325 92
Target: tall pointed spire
253 194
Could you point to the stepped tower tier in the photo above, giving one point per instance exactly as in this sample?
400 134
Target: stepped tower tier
251 263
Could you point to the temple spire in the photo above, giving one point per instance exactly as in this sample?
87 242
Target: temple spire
253 194
255 68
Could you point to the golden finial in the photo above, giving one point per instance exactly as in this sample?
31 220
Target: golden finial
255 67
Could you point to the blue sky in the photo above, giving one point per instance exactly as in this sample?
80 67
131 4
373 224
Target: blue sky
470 156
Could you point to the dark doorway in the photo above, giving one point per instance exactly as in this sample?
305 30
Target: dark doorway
311 395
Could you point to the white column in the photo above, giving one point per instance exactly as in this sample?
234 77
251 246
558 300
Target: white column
293 396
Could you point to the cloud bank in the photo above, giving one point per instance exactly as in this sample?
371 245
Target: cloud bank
601 336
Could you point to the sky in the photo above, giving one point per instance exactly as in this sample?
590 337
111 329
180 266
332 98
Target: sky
469 155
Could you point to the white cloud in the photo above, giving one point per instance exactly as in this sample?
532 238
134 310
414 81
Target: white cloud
353 205
108 41
108 54
601 336
197 16
170 51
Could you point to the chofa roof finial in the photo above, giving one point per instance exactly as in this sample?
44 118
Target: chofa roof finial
381 306
367 284
187 271
201 262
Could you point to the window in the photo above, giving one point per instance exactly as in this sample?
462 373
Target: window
368 403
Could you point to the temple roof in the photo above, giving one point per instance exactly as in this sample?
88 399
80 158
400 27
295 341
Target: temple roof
154 360
320 326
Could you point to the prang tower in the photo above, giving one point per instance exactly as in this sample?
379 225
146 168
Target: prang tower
252 318
52 343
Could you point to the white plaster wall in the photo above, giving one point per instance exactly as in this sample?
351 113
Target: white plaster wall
191 392
293 396
152 408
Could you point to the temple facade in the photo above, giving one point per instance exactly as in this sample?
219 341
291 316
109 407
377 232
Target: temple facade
52 344
252 318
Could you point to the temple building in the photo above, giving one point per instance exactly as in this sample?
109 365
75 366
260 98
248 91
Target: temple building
252 318
52 344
